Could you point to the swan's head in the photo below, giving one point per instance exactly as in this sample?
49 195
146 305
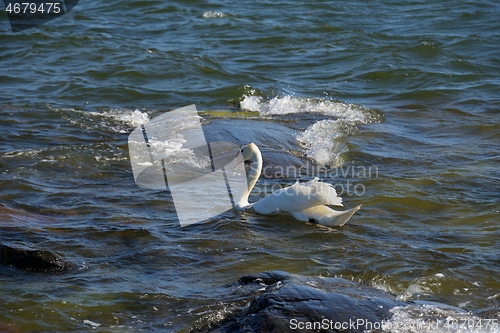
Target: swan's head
249 151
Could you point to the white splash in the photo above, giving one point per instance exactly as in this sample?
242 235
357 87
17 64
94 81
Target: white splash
91 323
176 154
435 318
114 119
319 140
289 104
135 118
212 14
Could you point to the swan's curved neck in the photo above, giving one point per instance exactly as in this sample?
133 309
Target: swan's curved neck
252 178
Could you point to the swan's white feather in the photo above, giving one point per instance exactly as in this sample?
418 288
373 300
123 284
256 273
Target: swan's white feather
325 215
298 197
306 201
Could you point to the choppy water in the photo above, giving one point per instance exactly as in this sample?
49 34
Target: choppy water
406 90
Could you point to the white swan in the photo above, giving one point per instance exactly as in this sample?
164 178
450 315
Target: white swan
306 201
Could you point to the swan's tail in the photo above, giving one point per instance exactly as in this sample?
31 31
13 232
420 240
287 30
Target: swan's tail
338 219
325 215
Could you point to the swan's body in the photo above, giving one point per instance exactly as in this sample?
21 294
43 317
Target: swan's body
306 201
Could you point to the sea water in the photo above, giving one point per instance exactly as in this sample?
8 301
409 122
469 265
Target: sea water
406 90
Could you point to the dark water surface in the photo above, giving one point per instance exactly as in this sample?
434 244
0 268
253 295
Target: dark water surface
400 100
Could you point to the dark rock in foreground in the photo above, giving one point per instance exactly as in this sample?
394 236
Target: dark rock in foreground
292 303
34 260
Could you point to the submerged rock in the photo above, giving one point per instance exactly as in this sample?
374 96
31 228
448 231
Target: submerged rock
8 328
35 260
292 303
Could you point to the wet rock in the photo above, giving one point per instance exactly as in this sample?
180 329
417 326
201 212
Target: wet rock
292 303
284 162
8 328
35 260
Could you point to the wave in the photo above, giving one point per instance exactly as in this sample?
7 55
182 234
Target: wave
116 120
213 14
322 123
320 140
429 317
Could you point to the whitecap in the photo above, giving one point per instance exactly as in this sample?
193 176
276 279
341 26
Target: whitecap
281 105
213 14
436 318
320 140
135 118
122 118
91 323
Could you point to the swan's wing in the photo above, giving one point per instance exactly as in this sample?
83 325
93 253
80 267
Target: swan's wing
269 204
313 213
312 193
299 197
